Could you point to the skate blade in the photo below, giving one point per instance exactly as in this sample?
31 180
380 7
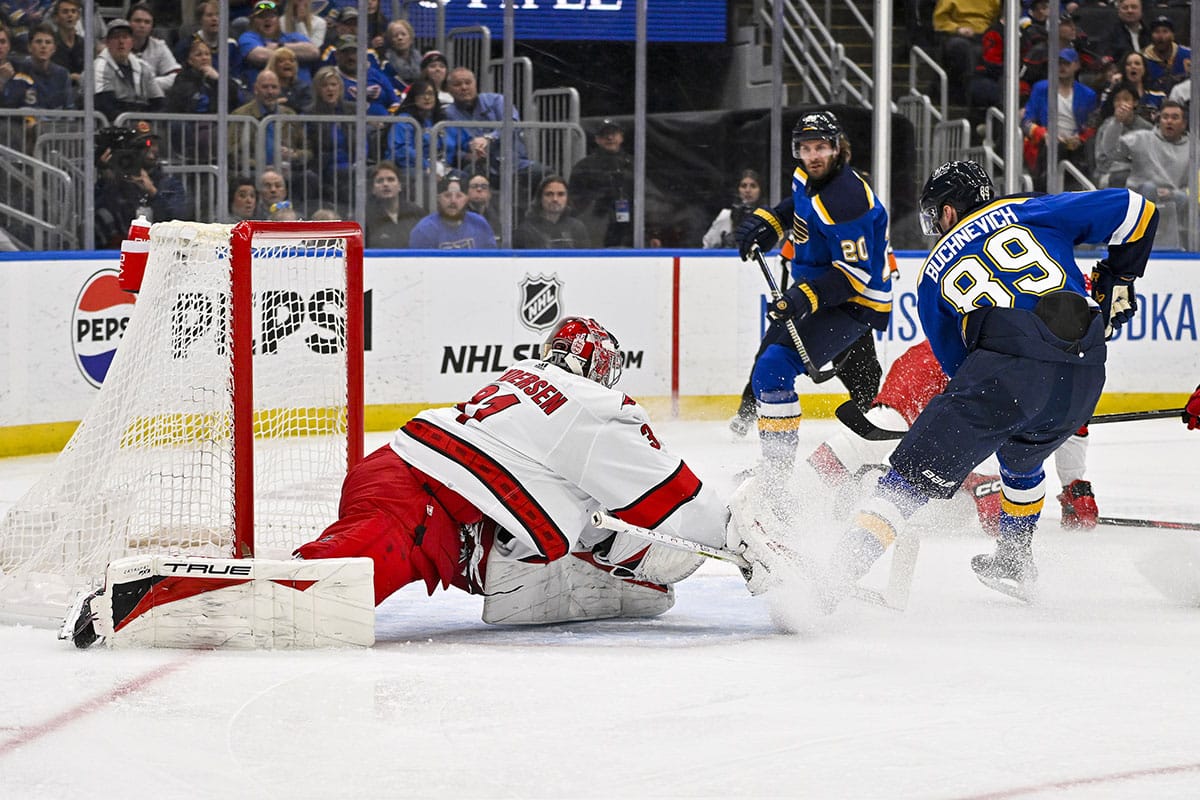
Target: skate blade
1025 592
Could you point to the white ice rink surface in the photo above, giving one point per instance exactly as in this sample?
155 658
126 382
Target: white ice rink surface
1092 693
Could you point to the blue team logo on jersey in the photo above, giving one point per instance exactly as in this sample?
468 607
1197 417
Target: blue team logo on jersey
541 301
101 313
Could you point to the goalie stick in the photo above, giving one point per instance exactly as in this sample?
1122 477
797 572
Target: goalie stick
854 419
602 519
818 376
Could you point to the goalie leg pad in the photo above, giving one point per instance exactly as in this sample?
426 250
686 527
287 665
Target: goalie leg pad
567 589
163 601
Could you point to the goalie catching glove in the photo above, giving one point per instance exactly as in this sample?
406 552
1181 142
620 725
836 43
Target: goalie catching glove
761 228
796 303
1116 298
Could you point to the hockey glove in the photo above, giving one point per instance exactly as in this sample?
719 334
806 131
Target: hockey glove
761 228
1115 296
1191 412
796 303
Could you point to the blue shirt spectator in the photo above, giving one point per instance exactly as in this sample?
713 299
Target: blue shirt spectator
452 227
265 35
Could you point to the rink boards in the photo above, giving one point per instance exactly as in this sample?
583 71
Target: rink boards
439 325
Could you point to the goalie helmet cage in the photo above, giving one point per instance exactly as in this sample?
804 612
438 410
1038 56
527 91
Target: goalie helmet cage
225 424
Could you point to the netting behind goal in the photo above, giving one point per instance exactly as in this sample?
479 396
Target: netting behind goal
226 422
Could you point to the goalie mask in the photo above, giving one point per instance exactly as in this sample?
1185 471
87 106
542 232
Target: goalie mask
962 185
580 345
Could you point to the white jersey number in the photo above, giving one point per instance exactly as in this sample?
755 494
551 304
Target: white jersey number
1009 250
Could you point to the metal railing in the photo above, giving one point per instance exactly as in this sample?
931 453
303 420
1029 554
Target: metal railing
38 209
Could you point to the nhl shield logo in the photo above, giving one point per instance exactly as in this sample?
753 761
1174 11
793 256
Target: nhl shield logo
541 301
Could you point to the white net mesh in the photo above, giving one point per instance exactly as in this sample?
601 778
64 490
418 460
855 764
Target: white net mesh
151 467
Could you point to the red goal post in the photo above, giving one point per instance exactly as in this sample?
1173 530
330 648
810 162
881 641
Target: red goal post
242 240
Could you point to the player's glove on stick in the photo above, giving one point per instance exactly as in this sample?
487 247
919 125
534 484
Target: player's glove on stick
761 228
795 304
1116 298
1191 412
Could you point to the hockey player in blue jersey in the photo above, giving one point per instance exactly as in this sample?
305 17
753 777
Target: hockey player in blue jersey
1009 317
842 281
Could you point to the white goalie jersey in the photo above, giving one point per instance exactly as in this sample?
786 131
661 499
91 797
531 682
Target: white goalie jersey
539 449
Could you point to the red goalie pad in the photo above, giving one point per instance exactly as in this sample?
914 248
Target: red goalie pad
405 521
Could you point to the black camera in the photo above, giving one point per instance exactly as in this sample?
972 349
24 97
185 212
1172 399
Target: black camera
128 148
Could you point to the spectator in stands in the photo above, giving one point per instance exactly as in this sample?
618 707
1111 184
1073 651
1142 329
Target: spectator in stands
1182 93
435 69
345 23
7 68
602 185
1166 61
549 224
298 17
123 81
481 155
196 89
401 59
1073 130
38 82
265 36
381 98
1111 167
150 48
127 187
284 141
331 140
390 218
749 197
294 89
227 59
1133 73
1034 52
377 25
1127 34
69 49
480 200
452 227
243 199
272 191
1159 171
422 105
958 27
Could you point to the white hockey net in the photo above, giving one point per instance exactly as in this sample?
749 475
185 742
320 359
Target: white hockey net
155 466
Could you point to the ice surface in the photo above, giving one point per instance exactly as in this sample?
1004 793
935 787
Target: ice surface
1092 693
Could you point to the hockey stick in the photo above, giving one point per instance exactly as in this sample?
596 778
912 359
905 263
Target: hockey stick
818 376
602 519
854 419
1149 523
1134 416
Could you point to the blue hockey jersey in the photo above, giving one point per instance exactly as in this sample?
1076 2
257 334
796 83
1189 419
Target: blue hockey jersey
1011 252
838 245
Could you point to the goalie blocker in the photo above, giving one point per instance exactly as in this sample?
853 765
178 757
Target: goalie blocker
165 601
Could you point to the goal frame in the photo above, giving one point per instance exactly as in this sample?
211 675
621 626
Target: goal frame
241 324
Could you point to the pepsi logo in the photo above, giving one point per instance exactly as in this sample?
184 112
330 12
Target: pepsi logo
101 313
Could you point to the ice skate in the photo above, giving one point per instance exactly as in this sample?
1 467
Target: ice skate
80 623
1010 569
